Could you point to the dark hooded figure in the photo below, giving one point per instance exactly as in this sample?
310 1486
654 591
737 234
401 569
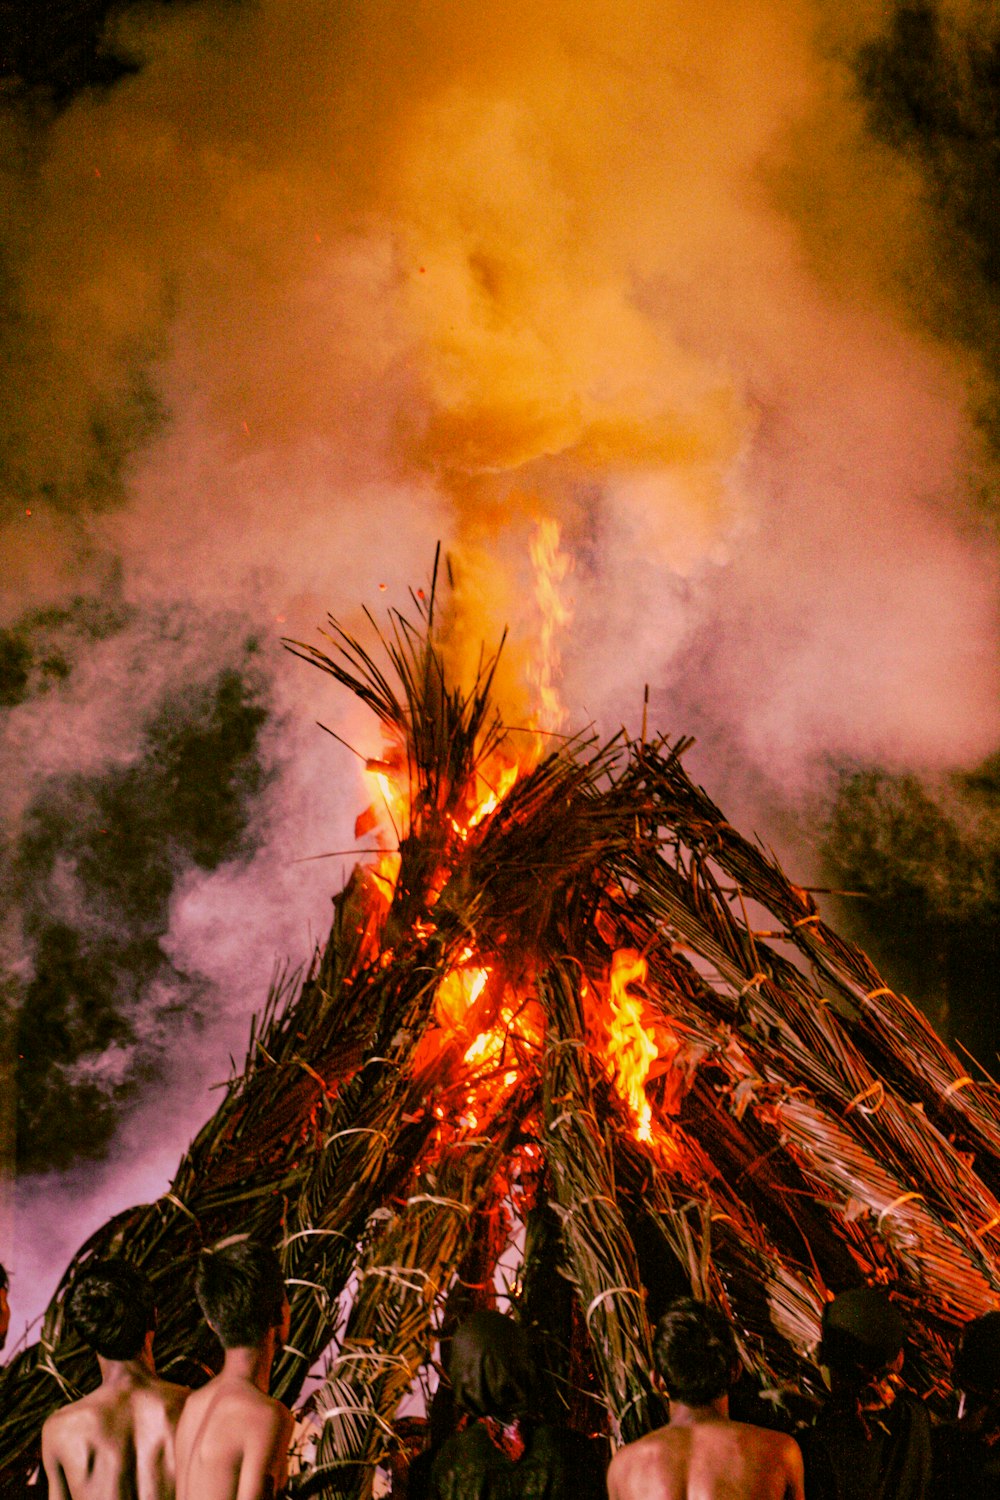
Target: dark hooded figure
872 1440
967 1451
504 1448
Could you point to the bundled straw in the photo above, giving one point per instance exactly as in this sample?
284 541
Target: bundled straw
401 1279
599 1248
807 1129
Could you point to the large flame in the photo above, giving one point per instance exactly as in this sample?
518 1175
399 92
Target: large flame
632 1047
497 1025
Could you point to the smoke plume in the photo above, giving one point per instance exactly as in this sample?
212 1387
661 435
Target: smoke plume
314 288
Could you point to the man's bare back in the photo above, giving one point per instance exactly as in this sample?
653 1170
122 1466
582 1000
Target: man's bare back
118 1442
708 1459
233 1440
232 1443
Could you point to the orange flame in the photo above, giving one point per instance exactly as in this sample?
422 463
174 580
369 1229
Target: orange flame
491 796
387 818
631 1048
485 1056
394 800
490 1052
457 994
496 1037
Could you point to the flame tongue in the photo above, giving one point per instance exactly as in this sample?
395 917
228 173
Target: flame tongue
458 992
631 1047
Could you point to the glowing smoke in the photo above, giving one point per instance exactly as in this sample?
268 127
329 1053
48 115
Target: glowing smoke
320 286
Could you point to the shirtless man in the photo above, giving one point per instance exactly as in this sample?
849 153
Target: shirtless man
701 1454
233 1439
118 1442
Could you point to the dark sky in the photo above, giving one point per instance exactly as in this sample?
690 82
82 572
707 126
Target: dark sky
56 48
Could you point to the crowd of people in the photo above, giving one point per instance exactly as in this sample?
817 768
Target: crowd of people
139 1437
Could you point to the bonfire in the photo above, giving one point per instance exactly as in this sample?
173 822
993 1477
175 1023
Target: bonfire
564 1007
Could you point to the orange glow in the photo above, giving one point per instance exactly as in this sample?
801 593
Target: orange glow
457 994
493 782
388 817
487 1053
493 1038
491 1056
498 1034
395 801
386 872
631 1048
551 567
491 796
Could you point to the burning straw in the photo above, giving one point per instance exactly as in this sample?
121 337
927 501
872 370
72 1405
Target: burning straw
599 1249
553 953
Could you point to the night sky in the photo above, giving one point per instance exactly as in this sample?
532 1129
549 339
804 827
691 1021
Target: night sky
292 293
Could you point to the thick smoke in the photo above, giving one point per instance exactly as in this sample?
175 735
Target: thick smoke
437 271
317 287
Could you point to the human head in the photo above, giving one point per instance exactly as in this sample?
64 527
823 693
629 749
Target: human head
862 1334
4 1306
241 1291
111 1306
976 1369
492 1370
695 1353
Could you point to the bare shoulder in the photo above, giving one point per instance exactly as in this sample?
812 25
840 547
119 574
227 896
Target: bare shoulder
55 1425
784 1456
69 1419
66 1428
634 1466
777 1442
777 1448
281 1417
276 1409
235 1401
262 1406
266 1425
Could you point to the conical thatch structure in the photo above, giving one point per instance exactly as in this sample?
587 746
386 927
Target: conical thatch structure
575 995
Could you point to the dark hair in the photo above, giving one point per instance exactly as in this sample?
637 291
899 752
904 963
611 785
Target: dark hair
4 1279
241 1291
862 1333
695 1352
111 1306
976 1369
492 1369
